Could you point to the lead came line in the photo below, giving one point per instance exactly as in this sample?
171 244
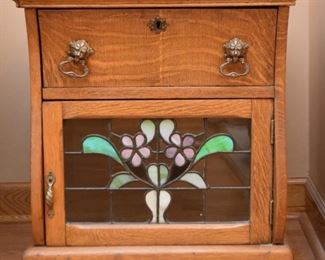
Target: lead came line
167 188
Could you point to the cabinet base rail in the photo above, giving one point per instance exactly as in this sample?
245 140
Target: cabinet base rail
224 252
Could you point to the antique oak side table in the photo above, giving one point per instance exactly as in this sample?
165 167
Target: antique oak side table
158 128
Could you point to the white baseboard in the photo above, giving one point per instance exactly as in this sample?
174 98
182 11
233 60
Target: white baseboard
312 237
297 180
317 198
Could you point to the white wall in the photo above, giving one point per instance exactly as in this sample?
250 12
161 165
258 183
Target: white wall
317 94
297 90
14 93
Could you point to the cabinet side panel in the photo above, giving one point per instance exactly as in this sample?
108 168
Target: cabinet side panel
261 167
53 163
280 156
36 128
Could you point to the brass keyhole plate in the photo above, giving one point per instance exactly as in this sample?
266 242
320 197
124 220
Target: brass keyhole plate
158 25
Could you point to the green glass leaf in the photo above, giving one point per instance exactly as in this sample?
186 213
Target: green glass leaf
195 179
153 174
163 174
120 180
148 128
220 143
100 145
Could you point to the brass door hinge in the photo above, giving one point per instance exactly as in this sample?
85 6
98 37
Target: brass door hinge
272 132
271 212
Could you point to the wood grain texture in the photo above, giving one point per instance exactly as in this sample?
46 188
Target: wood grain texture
100 93
36 128
280 148
188 53
261 171
176 234
157 109
14 239
267 252
296 195
296 238
149 3
53 162
14 202
192 46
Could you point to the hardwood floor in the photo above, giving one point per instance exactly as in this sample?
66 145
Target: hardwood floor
15 238
298 242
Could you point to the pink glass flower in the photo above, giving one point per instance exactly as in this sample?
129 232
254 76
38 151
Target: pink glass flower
181 148
134 149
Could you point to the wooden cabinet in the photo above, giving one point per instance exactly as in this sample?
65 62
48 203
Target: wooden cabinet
158 129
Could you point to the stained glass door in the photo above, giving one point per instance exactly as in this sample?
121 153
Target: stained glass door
153 172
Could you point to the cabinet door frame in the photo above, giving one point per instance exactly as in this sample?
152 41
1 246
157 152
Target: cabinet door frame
255 231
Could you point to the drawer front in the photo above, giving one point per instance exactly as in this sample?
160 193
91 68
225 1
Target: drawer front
127 52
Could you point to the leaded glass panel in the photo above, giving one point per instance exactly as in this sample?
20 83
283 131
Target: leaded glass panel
157 170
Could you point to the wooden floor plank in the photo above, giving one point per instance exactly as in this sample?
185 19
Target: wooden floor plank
14 239
297 241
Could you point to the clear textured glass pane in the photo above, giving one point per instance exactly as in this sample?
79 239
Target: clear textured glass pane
227 205
87 205
87 170
76 130
129 206
228 169
186 206
157 170
239 129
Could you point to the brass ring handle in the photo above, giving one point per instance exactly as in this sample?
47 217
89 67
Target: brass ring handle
234 51
78 54
49 196
73 74
234 74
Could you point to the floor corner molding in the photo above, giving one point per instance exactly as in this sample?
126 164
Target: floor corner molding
316 197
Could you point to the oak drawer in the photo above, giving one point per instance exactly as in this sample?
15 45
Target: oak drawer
128 53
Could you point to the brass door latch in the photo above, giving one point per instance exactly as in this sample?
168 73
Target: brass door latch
49 196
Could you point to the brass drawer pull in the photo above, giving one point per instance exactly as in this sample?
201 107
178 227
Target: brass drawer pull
79 52
158 25
49 196
234 52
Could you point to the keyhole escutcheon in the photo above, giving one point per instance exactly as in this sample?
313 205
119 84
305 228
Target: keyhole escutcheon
158 25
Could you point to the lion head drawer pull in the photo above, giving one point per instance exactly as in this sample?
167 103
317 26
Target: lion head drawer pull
158 25
78 52
234 52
